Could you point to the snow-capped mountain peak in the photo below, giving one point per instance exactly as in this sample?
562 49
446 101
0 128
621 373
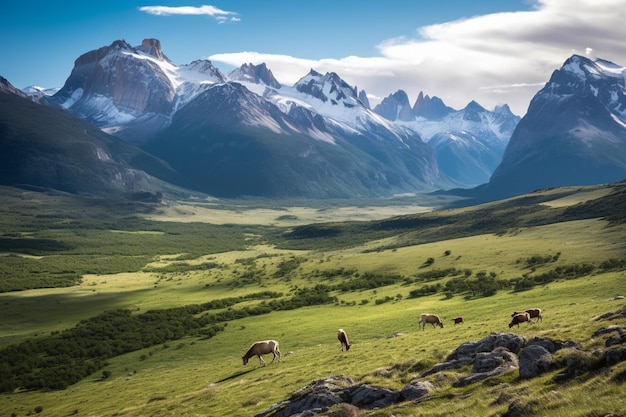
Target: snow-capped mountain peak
328 88
599 78
256 74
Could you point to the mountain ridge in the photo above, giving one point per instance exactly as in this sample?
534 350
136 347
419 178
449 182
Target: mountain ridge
47 147
574 128
574 132
352 115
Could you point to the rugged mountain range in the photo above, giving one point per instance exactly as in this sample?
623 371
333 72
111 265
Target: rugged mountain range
574 132
46 147
231 140
135 92
244 133
468 143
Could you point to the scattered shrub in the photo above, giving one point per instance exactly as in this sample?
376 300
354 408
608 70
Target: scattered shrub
425 290
383 300
437 274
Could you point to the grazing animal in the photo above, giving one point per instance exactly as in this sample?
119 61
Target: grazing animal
343 339
535 313
519 318
262 348
430 318
459 320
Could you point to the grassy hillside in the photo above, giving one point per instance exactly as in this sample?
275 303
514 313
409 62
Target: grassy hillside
566 246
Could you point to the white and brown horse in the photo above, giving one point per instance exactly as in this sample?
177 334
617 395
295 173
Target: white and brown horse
430 318
343 339
262 348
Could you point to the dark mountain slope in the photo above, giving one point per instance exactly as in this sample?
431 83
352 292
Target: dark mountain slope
48 147
574 132
229 142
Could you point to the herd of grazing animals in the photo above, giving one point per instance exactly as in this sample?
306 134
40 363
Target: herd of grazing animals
271 346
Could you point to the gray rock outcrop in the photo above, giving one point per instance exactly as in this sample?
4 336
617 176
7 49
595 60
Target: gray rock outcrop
533 361
416 390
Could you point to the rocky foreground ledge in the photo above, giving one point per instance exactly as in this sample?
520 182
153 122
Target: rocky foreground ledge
489 357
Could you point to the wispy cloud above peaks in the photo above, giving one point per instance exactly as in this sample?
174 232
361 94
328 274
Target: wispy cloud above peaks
204 10
490 51
493 58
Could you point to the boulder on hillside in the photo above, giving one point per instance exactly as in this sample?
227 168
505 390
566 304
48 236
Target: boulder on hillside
615 356
369 397
320 396
533 361
467 351
517 409
613 339
314 398
415 390
549 345
489 364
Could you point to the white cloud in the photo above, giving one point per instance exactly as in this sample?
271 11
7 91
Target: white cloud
206 10
493 59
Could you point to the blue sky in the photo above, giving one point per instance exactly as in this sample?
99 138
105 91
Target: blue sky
493 51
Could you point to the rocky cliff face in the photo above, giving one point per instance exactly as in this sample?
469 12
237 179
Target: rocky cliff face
118 82
430 107
152 47
255 74
396 107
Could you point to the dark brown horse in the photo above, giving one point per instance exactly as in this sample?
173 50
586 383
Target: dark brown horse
519 318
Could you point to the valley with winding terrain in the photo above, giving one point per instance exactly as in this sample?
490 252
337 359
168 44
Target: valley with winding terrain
157 219
132 308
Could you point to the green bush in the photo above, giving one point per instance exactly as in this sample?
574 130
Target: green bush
425 290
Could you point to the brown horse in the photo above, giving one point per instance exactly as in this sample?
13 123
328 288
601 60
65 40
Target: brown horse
262 348
430 318
519 318
343 339
535 313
